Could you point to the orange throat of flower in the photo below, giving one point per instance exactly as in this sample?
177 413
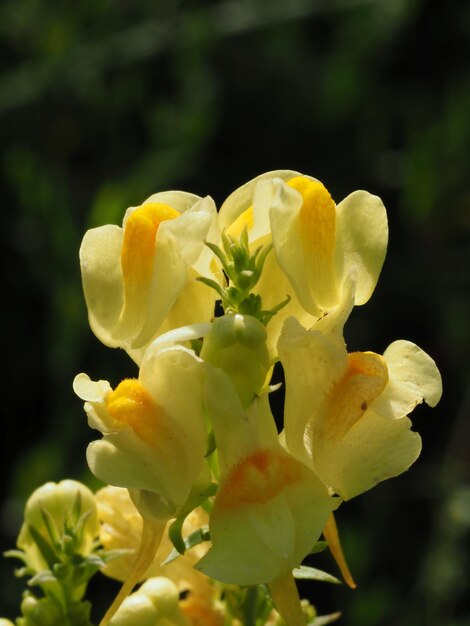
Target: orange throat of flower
138 248
259 478
130 403
365 378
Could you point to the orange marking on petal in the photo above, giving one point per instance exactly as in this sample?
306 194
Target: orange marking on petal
259 478
130 403
138 248
317 218
364 380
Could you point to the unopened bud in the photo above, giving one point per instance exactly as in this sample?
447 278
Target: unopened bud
237 345
57 507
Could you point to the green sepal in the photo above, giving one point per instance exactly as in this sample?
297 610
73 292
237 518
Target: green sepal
212 284
311 573
320 546
175 533
211 444
194 539
42 578
322 620
47 552
51 529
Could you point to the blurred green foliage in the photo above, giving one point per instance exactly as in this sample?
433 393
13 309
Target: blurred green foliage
104 102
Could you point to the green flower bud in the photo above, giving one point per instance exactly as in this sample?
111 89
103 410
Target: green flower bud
237 345
59 517
43 612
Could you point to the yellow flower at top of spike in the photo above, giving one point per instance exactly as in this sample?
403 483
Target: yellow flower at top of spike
140 280
318 245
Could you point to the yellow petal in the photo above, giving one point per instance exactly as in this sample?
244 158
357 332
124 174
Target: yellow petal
102 280
363 381
265 519
414 377
362 237
242 198
375 449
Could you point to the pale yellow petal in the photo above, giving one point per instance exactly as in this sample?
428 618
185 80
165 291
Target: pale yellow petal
361 240
288 245
100 255
126 462
242 198
274 287
414 377
136 609
90 390
269 512
312 365
374 449
174 378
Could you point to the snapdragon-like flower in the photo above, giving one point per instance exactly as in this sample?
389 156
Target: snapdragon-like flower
154 433
346 414
154 443
121 529
249 208
139 280
270 508
317 244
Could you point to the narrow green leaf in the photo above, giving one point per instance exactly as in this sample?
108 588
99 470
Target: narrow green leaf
212 284
16 554
47 551
76 508
43 577
325 619
311 573
51 528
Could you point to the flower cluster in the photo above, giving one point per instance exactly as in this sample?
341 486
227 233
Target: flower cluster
206 303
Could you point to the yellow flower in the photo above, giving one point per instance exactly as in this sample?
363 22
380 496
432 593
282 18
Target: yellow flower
318 245
121 528
57 500
139 280
250 207
155 603
270 508
154 432
346 414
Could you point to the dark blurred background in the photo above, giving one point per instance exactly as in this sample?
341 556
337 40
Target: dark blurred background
104 102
